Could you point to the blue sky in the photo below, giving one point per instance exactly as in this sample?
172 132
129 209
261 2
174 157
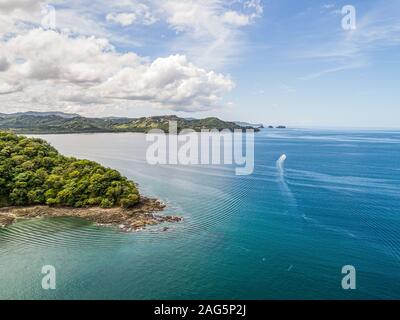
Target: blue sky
271 61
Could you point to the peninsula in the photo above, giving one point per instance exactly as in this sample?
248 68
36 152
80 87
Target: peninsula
37 181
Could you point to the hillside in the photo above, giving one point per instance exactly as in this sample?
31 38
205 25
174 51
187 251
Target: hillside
53 122
33 173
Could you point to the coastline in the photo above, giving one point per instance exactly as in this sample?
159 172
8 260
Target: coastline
127 220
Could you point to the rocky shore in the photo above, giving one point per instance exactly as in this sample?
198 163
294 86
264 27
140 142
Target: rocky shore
127 220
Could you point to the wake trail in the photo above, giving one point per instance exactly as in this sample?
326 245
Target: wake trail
292 202
280 165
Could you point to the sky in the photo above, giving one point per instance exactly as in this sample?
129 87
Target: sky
295 63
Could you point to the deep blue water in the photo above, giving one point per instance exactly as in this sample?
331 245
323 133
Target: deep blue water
270 235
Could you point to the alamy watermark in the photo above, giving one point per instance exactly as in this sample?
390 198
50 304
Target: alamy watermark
49 280
207 147
48 13
349 20
349 280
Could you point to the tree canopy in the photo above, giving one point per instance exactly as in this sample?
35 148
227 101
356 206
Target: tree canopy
50 122
32 172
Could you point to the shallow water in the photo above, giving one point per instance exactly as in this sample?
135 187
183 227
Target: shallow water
282 233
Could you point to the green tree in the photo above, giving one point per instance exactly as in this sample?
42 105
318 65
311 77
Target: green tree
33 172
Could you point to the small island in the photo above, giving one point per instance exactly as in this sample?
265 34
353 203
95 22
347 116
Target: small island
37 181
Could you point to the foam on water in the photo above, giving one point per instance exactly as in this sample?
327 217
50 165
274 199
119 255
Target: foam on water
291 202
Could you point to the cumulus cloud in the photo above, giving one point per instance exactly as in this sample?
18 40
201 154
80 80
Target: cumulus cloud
139 14
78 66
6 88
50 55
124 19
22 5
169 81
4 64
59 68
14 14
209 16
208 31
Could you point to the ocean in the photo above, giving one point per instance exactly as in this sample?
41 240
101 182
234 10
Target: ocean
284 232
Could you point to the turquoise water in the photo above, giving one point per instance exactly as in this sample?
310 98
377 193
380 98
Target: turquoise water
272 235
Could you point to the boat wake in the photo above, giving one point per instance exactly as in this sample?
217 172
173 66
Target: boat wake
292 202
280 165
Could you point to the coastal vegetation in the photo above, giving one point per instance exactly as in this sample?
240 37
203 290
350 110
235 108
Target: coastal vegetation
32 172
56 122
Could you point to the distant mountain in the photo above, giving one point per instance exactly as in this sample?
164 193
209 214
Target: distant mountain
43 114
58 122
247 124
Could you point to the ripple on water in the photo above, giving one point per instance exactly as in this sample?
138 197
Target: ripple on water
59 232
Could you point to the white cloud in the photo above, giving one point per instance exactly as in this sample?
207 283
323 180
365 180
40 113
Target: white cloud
256 6
4 64
49 55
77 66
13 11
171 81
21 5
124 19
140 14
6 88
209 30
58 69
237 19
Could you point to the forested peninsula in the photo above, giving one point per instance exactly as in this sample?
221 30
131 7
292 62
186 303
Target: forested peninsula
36 180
